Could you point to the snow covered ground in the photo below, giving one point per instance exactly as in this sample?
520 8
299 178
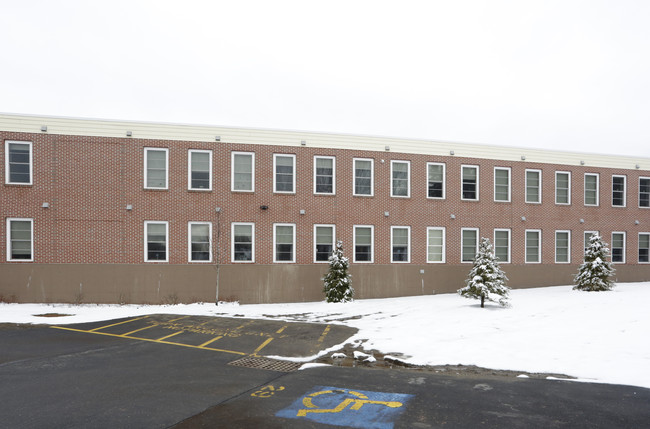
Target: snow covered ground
594 336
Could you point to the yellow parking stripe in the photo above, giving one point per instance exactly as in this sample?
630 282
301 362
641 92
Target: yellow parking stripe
169 336
324 334
264 344
210 341
118 323
138 330
279 331
174 320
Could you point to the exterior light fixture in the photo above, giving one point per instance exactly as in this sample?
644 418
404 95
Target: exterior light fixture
129 207
302 211
451 152
453 216
387 148
218 209
523 218
582 162
637 166
523 157
582 221
386 214
217 138
129 133
44 128
636 222
46 205
303 142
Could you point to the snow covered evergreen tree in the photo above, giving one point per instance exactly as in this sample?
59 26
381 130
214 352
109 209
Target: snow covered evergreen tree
486 280
337 283
595 272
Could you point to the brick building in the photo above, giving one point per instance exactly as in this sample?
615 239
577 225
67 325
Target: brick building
110 211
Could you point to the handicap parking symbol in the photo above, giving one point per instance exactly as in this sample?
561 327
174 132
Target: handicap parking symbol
345 407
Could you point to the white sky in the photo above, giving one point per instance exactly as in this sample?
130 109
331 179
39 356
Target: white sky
569 75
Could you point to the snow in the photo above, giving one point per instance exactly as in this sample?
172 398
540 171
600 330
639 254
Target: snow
593 336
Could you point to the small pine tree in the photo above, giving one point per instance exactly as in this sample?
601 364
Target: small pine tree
486 280
595 272
337 283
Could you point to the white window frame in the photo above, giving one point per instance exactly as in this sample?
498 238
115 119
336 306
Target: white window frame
539 185
372 177
597 175
189 169
333 159
568 203
31 163
372 243
323 225
509 170
539 246
146 175
233 154
408 244
444 179
408 178
444 244
639 195
189 242
232 242
585 242
624 190
639 247
275 173
462 235
509 244
293 244
568 232
462 168
9 239
146 241
624 247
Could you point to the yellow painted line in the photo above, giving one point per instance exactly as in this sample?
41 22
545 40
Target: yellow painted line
264 344
183 317
279 331
324 334
150 340
119 323
210 341
169 336
138 330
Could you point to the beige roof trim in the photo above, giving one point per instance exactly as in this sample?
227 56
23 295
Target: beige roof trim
163 131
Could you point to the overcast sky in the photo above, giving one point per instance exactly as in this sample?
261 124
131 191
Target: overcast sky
569 75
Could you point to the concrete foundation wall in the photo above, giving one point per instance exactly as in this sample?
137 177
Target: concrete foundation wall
156 284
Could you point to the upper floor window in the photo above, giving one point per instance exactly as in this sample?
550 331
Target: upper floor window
363 176
400 238
534 186
324 237
562 247
156 241
470 183
400 178
644 192
502 245
243 172
199 170
243 242
533 246
284 242
618 247
18 163
591 189
618 191
324 175
435 180
644 247
284 179
501 184
562 187
200 241
435 244
469 238
20 239
363 243
156 165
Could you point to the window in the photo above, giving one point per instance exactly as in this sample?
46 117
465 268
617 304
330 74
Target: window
435 245
501 184
562 187
618 247
243 172
435 180
364 243
155 244
618 191
18 163
284 242
284 179
534 186
644 192
199 170
469 238
20 239
591 189
400 179
243 242
324 175
400 243
156 164
588 235
502 245
363 176
324 237
533 246
200 241
644 247
470 183
562 247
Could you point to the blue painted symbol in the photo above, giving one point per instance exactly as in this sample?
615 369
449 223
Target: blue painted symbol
345 407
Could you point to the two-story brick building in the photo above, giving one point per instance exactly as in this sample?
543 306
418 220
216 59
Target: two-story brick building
116 211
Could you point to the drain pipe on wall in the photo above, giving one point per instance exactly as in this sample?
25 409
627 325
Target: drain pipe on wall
218 254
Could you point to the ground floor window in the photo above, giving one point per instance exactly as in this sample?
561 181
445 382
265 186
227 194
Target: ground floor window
323 242
618 247
363 243
243 242
400 237
20 239
562 247
533 246
502 245
156 239
469 237
435 244
284 242
644 247
200 241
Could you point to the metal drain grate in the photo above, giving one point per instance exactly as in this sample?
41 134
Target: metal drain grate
265 363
